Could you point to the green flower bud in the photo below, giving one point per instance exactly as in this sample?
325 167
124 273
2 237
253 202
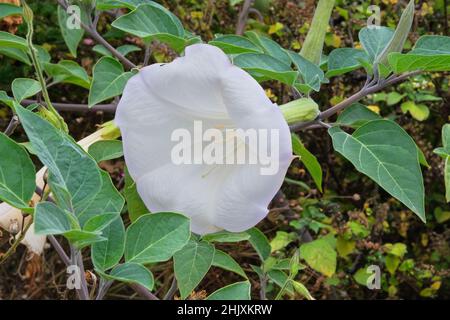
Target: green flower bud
300 110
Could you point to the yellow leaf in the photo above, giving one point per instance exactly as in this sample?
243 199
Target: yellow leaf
374 108
275 28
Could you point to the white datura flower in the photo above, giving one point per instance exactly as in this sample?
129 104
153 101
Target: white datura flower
203 90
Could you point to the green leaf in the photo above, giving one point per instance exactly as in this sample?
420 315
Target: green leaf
107 254
361 276
444 152
269 47
68 71
280 278
82 238
383 151
343 60
225 236
51 219
400 35
7 9
309 160
73 173
17 173
133 273
23 88
264 67
191 264
109 80
17 54
135 205
311 74
259 241
374 39
226 262
233 44
356 115
156 237
8 40
72 37
282 240
152 21
394 98
104 207
419 112
124 50
114 4
430 53
106 150
302 290
320 256
235 291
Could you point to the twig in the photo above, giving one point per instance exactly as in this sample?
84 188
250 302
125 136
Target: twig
148 52
143 292
171 292
13 247
12 125
243 16
59 249
99 39
366 90
74 107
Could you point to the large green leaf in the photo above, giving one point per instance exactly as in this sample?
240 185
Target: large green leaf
106 150
23 88
356 115
191 264
133 273
156 237
320 255
114 4
17 54
74 176
17 173
152 21
309 160
8 40
233 44
68 71
101 209
72 37
109 80
374 40
107 254
51 219
7 9
226 262
343 60
269 47
235 291
311 74
264 67
383 151
430 53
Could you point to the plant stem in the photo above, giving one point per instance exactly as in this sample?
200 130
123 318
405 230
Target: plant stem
243 16
59 249
171 292
143 292
100 40
75 107
12 125
77 259
366 90
13 247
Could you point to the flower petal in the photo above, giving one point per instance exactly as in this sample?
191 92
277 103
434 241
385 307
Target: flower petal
203 85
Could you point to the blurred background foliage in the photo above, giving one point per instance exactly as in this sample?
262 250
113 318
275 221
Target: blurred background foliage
368 226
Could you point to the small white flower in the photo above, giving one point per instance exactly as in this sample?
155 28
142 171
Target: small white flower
201 86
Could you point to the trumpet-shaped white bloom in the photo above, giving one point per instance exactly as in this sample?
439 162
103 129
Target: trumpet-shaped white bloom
202 86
